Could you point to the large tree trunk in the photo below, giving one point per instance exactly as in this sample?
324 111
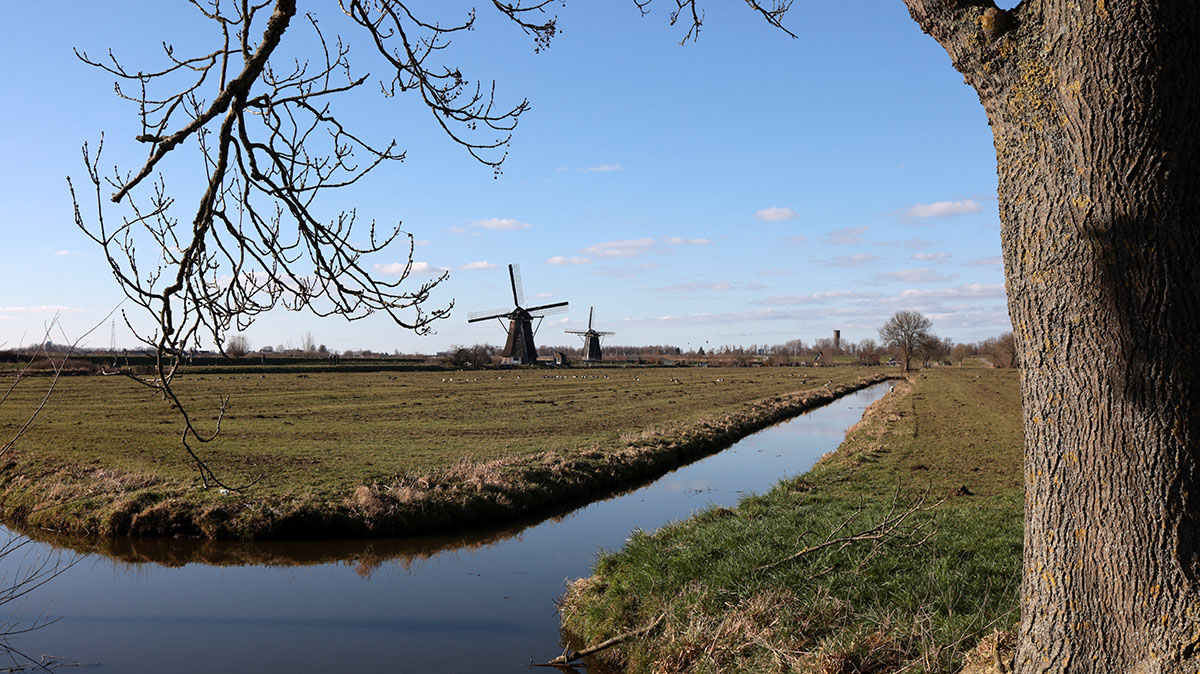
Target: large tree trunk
1095 108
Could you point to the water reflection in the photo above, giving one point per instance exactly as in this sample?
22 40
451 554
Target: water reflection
469 602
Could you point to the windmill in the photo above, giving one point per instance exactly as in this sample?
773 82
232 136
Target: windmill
591 339
519 348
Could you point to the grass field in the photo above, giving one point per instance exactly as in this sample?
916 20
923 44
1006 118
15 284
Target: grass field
376 453
776 585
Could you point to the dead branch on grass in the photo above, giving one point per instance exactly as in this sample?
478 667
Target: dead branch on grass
570 656
893 529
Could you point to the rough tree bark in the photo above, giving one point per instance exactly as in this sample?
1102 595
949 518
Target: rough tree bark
1095 109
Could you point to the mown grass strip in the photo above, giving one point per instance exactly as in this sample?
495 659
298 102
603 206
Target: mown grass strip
738 597
385 454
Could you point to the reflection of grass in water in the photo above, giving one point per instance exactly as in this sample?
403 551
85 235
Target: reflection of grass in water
366 555
383 454
736 602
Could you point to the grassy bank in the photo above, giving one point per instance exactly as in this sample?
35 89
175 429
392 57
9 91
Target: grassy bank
778 584
374 454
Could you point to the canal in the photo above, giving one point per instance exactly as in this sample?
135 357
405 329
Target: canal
473 602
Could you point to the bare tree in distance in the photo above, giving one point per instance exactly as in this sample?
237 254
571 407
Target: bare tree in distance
1001 351
237 345
931 348
904 333
960 352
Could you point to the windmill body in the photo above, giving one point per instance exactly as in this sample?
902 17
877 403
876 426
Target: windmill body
519 349
591 340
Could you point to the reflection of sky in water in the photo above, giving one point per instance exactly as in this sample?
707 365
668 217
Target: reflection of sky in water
487 609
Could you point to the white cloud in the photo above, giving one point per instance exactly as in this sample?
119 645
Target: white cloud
941 209
501 224
850 261
920 275
775 214
937 258
604 168
846 236
985 262
421 268
623 248
973 290
676 240
542 296
63 252
482 264
578 259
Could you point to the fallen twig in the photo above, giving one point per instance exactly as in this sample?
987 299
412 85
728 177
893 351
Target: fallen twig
571 656
890 529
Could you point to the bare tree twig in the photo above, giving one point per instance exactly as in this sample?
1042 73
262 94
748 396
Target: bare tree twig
571 656
892 529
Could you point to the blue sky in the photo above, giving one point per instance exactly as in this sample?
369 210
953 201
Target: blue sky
746 188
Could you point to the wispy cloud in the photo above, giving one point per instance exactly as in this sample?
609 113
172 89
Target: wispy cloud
419 268
775 214
676 240
940 209
972 290
911 244
920 275
563 260
63 253
542 296
482 264
984 262
695 286
850 261
939 257
604 168
846 236
626 271
501 224
622 248
819 298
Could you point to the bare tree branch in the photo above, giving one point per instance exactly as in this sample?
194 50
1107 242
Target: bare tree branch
694 16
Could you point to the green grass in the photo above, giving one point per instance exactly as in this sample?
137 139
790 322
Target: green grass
374 453
735 601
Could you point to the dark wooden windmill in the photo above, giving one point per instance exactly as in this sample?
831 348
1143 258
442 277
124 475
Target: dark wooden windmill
591 339
519 349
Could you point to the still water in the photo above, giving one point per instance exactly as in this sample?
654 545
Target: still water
475 602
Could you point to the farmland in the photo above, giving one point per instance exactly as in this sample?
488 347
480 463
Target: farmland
380 453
